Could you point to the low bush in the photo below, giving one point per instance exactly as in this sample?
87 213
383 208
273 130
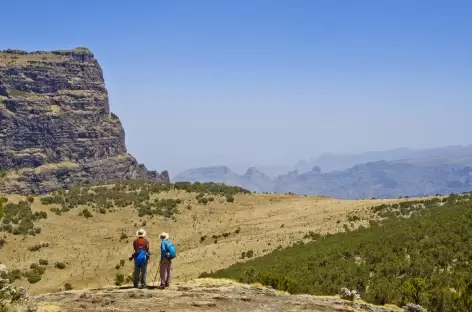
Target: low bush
35 273
229 198
68 286
86 213
119 279
60 265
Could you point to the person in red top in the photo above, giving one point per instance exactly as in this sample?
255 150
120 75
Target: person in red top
140 243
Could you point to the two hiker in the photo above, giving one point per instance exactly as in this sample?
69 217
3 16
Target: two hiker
142 255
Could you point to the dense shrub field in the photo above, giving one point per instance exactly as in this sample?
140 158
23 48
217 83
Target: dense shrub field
18 219
137 194
420 253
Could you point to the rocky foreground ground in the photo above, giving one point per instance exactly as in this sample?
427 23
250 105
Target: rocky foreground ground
198 295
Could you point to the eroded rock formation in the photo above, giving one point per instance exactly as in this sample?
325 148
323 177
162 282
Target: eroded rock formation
56 128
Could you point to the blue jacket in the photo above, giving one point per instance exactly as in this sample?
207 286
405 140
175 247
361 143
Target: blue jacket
165 245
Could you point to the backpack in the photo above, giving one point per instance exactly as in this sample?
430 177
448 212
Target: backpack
141 255
171 250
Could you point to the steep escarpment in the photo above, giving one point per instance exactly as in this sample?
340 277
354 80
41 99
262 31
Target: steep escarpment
56 128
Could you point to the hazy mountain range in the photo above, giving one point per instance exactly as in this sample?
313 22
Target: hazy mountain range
381 174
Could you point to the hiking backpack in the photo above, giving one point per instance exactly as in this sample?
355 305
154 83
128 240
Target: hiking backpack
172 252
141 255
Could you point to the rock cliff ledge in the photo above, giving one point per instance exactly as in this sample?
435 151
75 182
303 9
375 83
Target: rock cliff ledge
56 128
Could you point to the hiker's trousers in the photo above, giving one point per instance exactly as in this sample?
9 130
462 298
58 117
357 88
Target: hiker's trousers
140 271
166 272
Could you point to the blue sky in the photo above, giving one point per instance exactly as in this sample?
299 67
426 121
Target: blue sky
248 82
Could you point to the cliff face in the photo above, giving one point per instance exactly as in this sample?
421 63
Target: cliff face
56 128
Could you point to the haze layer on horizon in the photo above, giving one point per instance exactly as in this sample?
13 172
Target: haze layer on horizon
267 82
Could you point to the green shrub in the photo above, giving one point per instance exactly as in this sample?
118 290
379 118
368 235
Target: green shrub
34 277
13 275
353 218
119 279
43 262
68 286
60 265
30 199
229 198
203 201
86 213
35 273
35 248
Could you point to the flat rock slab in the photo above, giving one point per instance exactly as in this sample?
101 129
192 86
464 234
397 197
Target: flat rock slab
194 297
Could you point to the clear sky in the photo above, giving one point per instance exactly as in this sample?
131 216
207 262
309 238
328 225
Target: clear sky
243 82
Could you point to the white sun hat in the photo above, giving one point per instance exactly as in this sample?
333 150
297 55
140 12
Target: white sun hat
141 233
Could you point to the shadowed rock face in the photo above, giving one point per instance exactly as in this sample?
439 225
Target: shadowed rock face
56 128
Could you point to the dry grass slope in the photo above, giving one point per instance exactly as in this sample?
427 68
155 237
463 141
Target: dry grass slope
208 236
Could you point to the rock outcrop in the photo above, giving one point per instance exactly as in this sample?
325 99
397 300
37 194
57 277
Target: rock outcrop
56 128
200 295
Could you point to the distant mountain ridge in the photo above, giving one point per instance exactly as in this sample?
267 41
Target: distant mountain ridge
331 161
443 170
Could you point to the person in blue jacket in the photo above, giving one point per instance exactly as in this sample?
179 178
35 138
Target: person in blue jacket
166 261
